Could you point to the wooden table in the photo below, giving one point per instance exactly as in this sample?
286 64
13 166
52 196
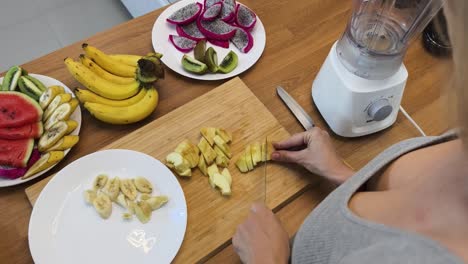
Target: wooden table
299 36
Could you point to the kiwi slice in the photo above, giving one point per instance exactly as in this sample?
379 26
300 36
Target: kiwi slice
24 89
36 82
211 59
199 50
11 78
31 87
229 63
192 65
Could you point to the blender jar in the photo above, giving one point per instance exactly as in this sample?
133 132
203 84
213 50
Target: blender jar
378 34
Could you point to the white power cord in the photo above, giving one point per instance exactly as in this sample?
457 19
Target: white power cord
412 121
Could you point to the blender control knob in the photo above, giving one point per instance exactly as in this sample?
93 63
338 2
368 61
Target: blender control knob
380 109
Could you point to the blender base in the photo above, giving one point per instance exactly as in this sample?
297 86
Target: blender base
353 106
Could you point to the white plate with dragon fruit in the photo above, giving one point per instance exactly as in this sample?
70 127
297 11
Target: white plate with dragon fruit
29 145
209 40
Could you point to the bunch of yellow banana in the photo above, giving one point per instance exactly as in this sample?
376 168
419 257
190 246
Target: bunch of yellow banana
120 87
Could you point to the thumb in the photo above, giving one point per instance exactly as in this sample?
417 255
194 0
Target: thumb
288 156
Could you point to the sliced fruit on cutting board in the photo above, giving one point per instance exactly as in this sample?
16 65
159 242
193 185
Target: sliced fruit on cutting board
17 109
253 155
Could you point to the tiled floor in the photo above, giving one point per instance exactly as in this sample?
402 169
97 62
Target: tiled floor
32 28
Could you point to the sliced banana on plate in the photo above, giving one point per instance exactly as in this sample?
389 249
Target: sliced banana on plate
143 185
157 201
100 181
103 205
49 95
52 136
143 211
58 100
112 188
89 196
61 113
145 196
128 188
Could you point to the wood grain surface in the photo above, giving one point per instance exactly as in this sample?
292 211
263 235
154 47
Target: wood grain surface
212 218
299 36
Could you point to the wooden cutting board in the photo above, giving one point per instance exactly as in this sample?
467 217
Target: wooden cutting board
212 219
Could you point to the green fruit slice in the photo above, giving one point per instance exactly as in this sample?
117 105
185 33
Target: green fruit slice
31 87
24 89
199 51
211 59
229 63
36 82
192 65
11 78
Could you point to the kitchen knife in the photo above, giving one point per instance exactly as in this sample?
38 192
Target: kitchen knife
299 112
301 115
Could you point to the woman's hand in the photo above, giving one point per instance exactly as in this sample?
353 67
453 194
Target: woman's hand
261 238
315 153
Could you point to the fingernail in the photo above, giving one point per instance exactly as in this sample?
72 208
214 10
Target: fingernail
275 155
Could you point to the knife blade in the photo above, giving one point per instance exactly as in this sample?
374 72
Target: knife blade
300 114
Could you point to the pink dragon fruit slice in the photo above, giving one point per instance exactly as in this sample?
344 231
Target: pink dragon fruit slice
243 40
14 173
216 29
183 44
212 12
209 3
229 10
220 43
245 18
190 31
186 14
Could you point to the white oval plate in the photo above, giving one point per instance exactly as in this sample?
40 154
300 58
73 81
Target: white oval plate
47 81
64 229
172 57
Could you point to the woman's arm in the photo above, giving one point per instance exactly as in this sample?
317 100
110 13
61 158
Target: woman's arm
313 150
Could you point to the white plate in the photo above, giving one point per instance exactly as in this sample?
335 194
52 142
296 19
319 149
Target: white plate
64 229
172 57
47 81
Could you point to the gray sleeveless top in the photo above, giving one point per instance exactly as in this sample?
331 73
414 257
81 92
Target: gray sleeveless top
332 233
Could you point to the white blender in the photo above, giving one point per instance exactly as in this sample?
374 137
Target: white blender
359 88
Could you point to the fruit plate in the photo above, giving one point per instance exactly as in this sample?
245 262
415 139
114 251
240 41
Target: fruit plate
172 57
47 81
64 229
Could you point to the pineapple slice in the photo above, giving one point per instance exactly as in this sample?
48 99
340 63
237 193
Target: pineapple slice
221 159
242 164
226 136
256 149
248 157
202 165
180 165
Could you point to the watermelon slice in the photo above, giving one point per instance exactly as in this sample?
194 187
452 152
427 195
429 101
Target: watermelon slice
17 109
14 173
15 153
33 130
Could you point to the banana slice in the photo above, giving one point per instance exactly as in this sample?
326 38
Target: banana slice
89 196
157 201
122 201
145 196
52 136
61 113
143 185
143 212
127 216
65 143
128 188
49 95
58 100
72 125
131 205
100 181
46 161
103 205
112 188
